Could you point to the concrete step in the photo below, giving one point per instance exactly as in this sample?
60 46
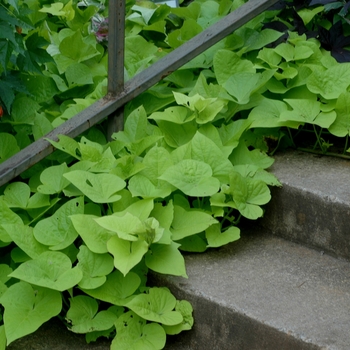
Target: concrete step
265 293
313 206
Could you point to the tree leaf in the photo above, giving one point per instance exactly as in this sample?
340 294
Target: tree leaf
27 308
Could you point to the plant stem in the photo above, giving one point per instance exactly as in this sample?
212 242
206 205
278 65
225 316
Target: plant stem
291 137
346 143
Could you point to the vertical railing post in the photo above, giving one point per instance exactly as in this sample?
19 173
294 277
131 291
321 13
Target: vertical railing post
116 44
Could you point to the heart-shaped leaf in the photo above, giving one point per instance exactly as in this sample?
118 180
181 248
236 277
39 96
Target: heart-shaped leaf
84 317
27 308
51 270
100 188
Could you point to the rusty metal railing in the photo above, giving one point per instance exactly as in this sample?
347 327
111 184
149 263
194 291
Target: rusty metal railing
119 93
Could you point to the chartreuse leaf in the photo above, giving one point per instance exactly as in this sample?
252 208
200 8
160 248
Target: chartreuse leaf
248 195
51 270
127 166
341 125
164 215
241 86
127 254
8 146
84 316
127 227
202 149
27 308
267 115
192 177
241 156
142 186
217 238
330 83
140 208
308 111
133 333
204 109
189 222
67 145
226 63
138 54
185 308
256 173
95 268
24 238
5 270
117 289
166 259
176 114
57 231
78 48
194 243
176 135
147 183
156 161
52 179
7 216
135 127
2 338
157 306
231 133
17 195
55 9
100 188
94 235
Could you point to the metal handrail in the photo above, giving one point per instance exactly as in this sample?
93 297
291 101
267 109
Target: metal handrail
119 93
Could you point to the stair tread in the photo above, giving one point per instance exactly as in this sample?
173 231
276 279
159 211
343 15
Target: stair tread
294 289
325 176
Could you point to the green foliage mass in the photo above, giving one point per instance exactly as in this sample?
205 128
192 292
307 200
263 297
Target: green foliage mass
82 229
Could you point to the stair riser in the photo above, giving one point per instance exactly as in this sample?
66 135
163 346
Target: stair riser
309 219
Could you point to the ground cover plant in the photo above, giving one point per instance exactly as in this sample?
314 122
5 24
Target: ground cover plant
80 230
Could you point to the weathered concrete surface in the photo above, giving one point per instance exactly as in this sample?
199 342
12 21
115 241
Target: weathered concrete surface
264 292
313 206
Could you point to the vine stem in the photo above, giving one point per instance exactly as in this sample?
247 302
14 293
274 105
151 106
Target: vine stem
318 137
346 143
